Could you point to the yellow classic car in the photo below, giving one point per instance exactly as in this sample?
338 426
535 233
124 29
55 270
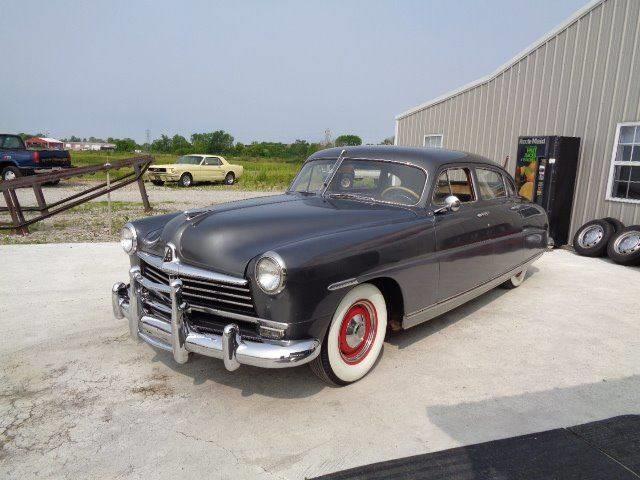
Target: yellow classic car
195 168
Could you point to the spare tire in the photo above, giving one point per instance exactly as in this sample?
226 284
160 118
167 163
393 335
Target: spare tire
617 225
624 246
592 238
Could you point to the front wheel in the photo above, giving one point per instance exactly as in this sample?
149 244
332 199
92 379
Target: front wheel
185 180
355 337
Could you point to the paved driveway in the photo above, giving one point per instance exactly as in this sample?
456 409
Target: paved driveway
80 399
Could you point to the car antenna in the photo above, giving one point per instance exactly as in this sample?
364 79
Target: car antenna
332 174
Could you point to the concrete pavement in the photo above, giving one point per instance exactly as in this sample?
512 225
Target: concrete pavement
80 399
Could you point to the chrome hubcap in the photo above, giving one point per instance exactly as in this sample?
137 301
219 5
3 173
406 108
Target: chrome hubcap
627 243
591 236
355 331
9 175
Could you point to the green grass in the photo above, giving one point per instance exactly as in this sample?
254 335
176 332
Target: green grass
259 173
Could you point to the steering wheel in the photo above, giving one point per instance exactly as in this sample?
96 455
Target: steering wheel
399 193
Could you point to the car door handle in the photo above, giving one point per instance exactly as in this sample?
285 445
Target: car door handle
482 214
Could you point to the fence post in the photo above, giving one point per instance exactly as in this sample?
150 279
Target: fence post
16 212
108 165
143 190
37 192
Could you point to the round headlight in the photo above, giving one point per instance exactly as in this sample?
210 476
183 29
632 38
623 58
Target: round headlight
271 273
128 239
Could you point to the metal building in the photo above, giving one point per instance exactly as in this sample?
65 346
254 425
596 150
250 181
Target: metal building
580 80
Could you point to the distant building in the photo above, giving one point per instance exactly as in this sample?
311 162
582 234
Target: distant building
580 80
44 143
89 146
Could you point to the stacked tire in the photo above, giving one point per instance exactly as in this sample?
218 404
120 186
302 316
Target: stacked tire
608 236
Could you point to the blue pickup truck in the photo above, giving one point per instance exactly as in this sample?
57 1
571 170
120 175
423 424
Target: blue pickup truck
16 160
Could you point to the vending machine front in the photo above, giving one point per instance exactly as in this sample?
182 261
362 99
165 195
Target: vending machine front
546 168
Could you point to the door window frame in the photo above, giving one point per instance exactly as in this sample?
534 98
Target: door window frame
204 162
443 168
504 182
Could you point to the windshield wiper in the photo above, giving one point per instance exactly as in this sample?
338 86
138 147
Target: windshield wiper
351 196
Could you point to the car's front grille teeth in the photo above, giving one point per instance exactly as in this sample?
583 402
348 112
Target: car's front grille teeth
206 293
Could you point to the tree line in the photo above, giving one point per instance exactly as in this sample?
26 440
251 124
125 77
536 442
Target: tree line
221 142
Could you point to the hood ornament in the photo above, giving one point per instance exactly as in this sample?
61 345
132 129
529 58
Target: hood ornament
169 253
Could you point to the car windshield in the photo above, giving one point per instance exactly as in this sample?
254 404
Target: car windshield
367 180
189 160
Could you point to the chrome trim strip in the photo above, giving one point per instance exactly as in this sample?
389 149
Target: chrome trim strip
241 317
178 327
178 268
149 285
425 314
157 306
343 284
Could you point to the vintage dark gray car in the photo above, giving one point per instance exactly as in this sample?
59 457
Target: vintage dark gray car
366 239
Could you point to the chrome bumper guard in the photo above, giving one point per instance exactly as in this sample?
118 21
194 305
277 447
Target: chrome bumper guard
178 338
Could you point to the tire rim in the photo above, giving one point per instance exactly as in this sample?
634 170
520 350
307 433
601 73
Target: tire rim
9 175
229 179
627 243
187 181
357 332
590 236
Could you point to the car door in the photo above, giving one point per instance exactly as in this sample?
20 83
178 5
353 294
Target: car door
212 169
463 246
503 218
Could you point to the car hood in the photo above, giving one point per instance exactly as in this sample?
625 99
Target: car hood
226 237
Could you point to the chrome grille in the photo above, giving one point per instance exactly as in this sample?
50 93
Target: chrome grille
205 293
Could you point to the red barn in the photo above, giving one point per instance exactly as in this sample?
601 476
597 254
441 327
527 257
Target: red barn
44 143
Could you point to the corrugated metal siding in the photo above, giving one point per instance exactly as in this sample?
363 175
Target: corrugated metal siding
581 83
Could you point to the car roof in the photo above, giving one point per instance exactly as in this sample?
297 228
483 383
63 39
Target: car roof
427 158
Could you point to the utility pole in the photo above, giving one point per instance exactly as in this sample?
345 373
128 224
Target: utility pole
147 134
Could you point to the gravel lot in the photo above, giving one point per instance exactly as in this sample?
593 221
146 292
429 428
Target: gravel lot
90 221
196 196
80 399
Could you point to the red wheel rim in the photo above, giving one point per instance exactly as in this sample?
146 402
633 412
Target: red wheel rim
357 332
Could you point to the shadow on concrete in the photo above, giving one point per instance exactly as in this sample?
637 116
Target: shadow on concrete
406 338
502 417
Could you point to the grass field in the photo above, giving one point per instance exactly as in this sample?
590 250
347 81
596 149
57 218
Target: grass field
259 173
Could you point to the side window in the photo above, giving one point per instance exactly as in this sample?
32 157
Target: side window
212 161
490 184
454 181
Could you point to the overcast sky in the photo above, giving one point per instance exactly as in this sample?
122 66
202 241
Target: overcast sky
261 70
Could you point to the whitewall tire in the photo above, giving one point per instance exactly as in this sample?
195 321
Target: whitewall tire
516 280
355 337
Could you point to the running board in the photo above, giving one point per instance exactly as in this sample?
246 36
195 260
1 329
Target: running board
438 309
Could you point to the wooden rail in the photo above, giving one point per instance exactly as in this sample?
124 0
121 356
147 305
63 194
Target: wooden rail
46 210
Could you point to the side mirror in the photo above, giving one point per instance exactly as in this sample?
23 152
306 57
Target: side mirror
451 204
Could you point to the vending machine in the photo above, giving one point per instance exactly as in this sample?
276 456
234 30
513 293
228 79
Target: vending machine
546 168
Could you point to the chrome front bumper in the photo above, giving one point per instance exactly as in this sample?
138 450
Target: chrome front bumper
177 337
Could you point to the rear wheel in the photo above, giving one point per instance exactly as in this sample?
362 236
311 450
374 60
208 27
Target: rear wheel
624 247
10 173
592 238
230 178
515 281
186 180
355 337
